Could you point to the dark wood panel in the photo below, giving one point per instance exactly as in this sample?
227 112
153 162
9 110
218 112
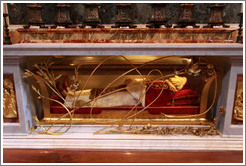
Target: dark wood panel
78 156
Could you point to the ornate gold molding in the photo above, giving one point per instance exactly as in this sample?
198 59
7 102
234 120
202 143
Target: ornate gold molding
238 103
238 109
9 98
157 130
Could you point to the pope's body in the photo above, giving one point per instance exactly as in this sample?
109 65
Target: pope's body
132 92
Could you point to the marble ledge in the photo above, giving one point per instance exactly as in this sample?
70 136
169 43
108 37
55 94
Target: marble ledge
123 141
128 45
197 49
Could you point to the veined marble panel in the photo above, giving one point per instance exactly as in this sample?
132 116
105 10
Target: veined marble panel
128 35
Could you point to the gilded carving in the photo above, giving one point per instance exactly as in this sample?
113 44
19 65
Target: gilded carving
238 104
9 99
238 109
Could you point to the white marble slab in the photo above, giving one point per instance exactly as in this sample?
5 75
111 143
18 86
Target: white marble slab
88 141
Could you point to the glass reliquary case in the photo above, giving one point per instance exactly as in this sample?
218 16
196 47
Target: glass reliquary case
125 90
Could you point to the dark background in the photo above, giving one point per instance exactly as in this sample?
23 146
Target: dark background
141 12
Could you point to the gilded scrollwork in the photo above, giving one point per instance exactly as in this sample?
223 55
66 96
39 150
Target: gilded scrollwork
238 109
238 101
157 130
9 99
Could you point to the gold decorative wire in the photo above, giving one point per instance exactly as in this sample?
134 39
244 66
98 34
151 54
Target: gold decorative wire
44 75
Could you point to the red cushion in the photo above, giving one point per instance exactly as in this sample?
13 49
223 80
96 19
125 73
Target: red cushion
186 94
185 97
194 101
163 99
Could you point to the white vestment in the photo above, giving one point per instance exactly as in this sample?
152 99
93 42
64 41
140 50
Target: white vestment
134 92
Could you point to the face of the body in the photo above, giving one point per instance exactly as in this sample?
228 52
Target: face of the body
178 82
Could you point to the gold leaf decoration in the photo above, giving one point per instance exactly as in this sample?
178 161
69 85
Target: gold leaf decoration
9 99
